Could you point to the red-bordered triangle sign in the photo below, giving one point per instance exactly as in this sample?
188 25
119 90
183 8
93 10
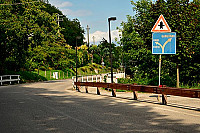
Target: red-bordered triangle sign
161 25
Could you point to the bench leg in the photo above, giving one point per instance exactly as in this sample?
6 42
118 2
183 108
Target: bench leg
114 92
86 89
135 95
79 88
164 99
98 91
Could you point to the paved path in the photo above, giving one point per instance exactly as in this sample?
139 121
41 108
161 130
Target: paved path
54 107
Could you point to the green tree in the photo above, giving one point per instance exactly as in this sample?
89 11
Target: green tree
104 52
83 55
183 18
29 37
93 49
70 28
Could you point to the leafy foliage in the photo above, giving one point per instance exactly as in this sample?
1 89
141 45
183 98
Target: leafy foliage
183 18
101 53
30 36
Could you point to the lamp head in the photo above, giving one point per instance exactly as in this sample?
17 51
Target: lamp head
112 18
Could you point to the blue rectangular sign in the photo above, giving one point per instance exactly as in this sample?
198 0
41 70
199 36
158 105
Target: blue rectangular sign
164 43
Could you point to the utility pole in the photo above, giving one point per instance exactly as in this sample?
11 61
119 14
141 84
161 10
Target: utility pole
93 40
88 36
58 20
78 37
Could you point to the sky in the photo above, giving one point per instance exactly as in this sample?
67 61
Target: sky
95 14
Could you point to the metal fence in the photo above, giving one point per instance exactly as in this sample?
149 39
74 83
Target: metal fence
9 78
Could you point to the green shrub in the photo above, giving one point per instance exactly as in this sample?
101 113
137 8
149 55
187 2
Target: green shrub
43 68
27 76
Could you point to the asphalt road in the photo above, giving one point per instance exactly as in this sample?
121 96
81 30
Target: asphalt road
54 107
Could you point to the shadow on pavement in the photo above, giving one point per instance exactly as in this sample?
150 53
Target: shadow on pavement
27 109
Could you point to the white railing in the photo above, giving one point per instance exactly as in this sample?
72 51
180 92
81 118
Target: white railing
9 78
98 78
88 78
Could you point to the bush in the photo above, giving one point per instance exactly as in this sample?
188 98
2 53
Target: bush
138 81
27 76
165 80
49 68
43 68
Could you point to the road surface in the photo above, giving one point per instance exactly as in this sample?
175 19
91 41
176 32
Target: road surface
53 107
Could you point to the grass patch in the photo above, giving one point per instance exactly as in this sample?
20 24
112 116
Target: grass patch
32 76
117 90
194 86
62 74
92 69
27 76
144 82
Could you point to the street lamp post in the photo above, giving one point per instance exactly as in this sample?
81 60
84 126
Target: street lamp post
78 37
88 36
111 19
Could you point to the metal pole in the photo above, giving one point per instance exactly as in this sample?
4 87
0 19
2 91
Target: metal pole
177 81
113 90
159 68
88 35
58 21
76 64
78 37
93 40
110 52
73 80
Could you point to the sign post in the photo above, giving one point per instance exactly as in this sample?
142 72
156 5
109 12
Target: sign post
160 59
163 41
